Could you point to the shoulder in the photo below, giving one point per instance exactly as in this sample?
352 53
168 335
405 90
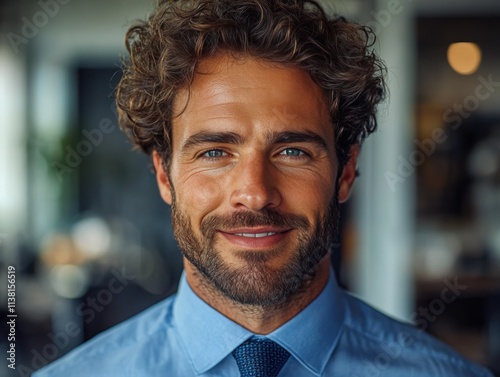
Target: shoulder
128 343
386 343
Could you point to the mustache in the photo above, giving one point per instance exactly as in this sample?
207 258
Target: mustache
246 219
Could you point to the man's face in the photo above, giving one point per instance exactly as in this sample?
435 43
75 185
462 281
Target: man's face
252 179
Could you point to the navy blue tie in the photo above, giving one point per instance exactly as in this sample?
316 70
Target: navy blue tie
260 358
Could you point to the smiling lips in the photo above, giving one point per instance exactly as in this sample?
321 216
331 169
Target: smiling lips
255 237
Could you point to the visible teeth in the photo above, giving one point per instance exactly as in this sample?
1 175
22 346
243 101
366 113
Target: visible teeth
255 235
264 234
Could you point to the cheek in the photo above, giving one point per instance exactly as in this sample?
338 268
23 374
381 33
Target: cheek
200 194
312 196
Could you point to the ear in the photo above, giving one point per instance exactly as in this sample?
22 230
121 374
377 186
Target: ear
162 178
348 175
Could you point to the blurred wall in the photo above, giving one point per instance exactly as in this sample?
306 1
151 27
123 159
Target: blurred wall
55 54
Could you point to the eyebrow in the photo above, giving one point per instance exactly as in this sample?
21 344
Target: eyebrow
284 137
205 137
298 137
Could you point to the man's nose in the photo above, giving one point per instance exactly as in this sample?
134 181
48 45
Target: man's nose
254 185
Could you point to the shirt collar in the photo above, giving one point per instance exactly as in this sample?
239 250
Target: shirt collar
208 336
312 335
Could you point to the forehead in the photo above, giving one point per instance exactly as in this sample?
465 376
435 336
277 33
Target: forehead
247 92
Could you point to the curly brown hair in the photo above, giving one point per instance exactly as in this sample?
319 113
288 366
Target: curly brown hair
166 49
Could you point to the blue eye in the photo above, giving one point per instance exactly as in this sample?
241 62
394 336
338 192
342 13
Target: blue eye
292 152
214 153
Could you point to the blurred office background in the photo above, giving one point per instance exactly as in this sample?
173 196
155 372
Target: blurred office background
83 224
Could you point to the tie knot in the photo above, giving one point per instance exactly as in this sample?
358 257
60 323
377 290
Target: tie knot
260 358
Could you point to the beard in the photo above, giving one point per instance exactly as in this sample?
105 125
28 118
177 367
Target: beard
256 283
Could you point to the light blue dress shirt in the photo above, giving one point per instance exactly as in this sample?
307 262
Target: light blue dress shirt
335 335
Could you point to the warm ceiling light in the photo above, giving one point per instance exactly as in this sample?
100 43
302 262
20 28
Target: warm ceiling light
464 57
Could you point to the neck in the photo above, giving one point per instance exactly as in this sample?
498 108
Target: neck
257 319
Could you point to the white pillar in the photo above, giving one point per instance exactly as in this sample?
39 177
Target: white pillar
385 212
13 185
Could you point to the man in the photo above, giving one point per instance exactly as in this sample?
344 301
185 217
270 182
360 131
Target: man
254 112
